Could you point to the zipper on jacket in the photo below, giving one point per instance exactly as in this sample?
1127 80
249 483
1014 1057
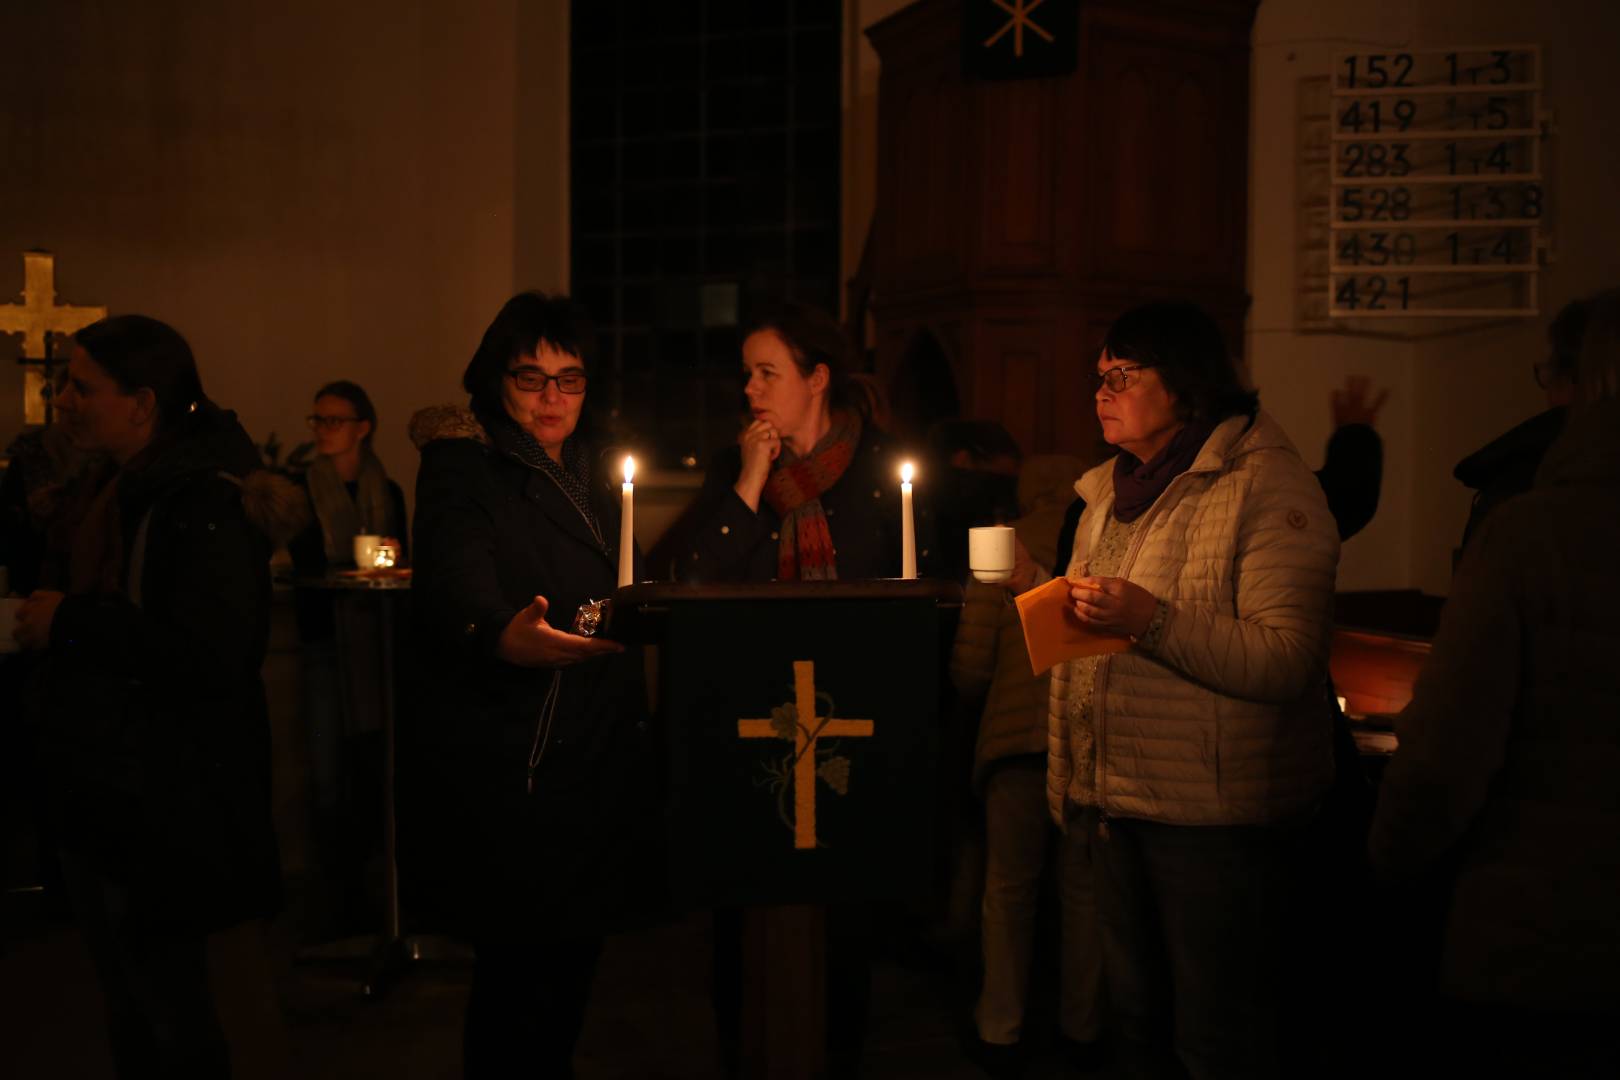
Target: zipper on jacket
1099 684
542 727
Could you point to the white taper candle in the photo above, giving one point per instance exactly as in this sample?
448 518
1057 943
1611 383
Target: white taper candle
627 527
908 527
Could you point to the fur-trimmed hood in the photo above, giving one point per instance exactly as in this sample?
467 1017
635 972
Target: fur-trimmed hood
275 505
438 422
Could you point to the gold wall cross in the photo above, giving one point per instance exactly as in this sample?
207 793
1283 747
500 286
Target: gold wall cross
38 314
809 729
35 319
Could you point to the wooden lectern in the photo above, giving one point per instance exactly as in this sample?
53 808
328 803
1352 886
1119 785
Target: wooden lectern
801 730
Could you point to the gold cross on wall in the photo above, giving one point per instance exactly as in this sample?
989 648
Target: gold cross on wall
1020 12
38 314
809 729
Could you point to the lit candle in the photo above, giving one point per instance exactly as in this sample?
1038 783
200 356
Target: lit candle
908 529
627 527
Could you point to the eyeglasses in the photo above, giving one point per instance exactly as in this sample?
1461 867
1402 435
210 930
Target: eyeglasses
329 423
535 380
1116 378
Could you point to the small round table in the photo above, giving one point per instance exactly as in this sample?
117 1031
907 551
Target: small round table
388 589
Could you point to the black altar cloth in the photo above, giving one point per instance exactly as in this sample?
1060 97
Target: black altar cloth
737 663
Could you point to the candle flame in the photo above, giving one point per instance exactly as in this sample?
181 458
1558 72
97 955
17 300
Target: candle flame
905 473
629 469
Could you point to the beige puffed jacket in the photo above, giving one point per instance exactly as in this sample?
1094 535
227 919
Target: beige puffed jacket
1225 721
988 657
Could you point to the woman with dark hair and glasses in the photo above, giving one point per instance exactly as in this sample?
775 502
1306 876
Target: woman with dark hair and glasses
525 758
155 739
1194 758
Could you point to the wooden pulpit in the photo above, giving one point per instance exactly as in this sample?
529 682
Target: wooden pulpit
801 724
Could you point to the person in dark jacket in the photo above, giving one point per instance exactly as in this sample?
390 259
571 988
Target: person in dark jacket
155 740
1506 466
524 759
809 493
1503 790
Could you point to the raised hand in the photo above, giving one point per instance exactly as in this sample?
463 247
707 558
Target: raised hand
1350 405
760 443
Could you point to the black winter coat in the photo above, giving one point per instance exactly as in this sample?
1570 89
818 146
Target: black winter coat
727 541
155 739
481 856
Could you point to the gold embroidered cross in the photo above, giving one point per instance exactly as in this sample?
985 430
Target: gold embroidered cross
808 729
1020 10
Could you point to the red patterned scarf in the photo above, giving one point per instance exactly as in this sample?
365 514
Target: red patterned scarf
805 549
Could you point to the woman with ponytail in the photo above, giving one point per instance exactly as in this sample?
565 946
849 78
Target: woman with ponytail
154 736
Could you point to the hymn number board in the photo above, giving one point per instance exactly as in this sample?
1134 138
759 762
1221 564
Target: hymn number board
1437 193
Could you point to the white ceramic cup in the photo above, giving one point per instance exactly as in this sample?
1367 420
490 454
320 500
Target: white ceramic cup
365 550
9 607
990 552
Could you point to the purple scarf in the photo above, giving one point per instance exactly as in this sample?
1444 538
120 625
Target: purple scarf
1136 485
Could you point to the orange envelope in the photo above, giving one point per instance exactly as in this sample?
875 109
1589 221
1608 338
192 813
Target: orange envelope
1052 633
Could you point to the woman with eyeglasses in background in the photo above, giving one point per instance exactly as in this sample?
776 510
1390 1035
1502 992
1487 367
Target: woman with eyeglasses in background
525 755
341 696
349 491
1193 759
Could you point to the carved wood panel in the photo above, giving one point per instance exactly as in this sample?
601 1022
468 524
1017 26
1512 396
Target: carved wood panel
1033 212
1167 198
1018 186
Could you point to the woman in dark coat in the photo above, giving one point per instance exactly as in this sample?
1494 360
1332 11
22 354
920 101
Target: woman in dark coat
155 741
809 492
524 760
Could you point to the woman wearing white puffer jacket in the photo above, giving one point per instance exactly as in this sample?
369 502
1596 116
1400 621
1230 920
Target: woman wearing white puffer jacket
1198 753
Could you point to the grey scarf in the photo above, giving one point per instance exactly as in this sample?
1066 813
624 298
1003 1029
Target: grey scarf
342 518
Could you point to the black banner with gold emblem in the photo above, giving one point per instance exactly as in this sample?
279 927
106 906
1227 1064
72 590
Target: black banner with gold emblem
802 742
